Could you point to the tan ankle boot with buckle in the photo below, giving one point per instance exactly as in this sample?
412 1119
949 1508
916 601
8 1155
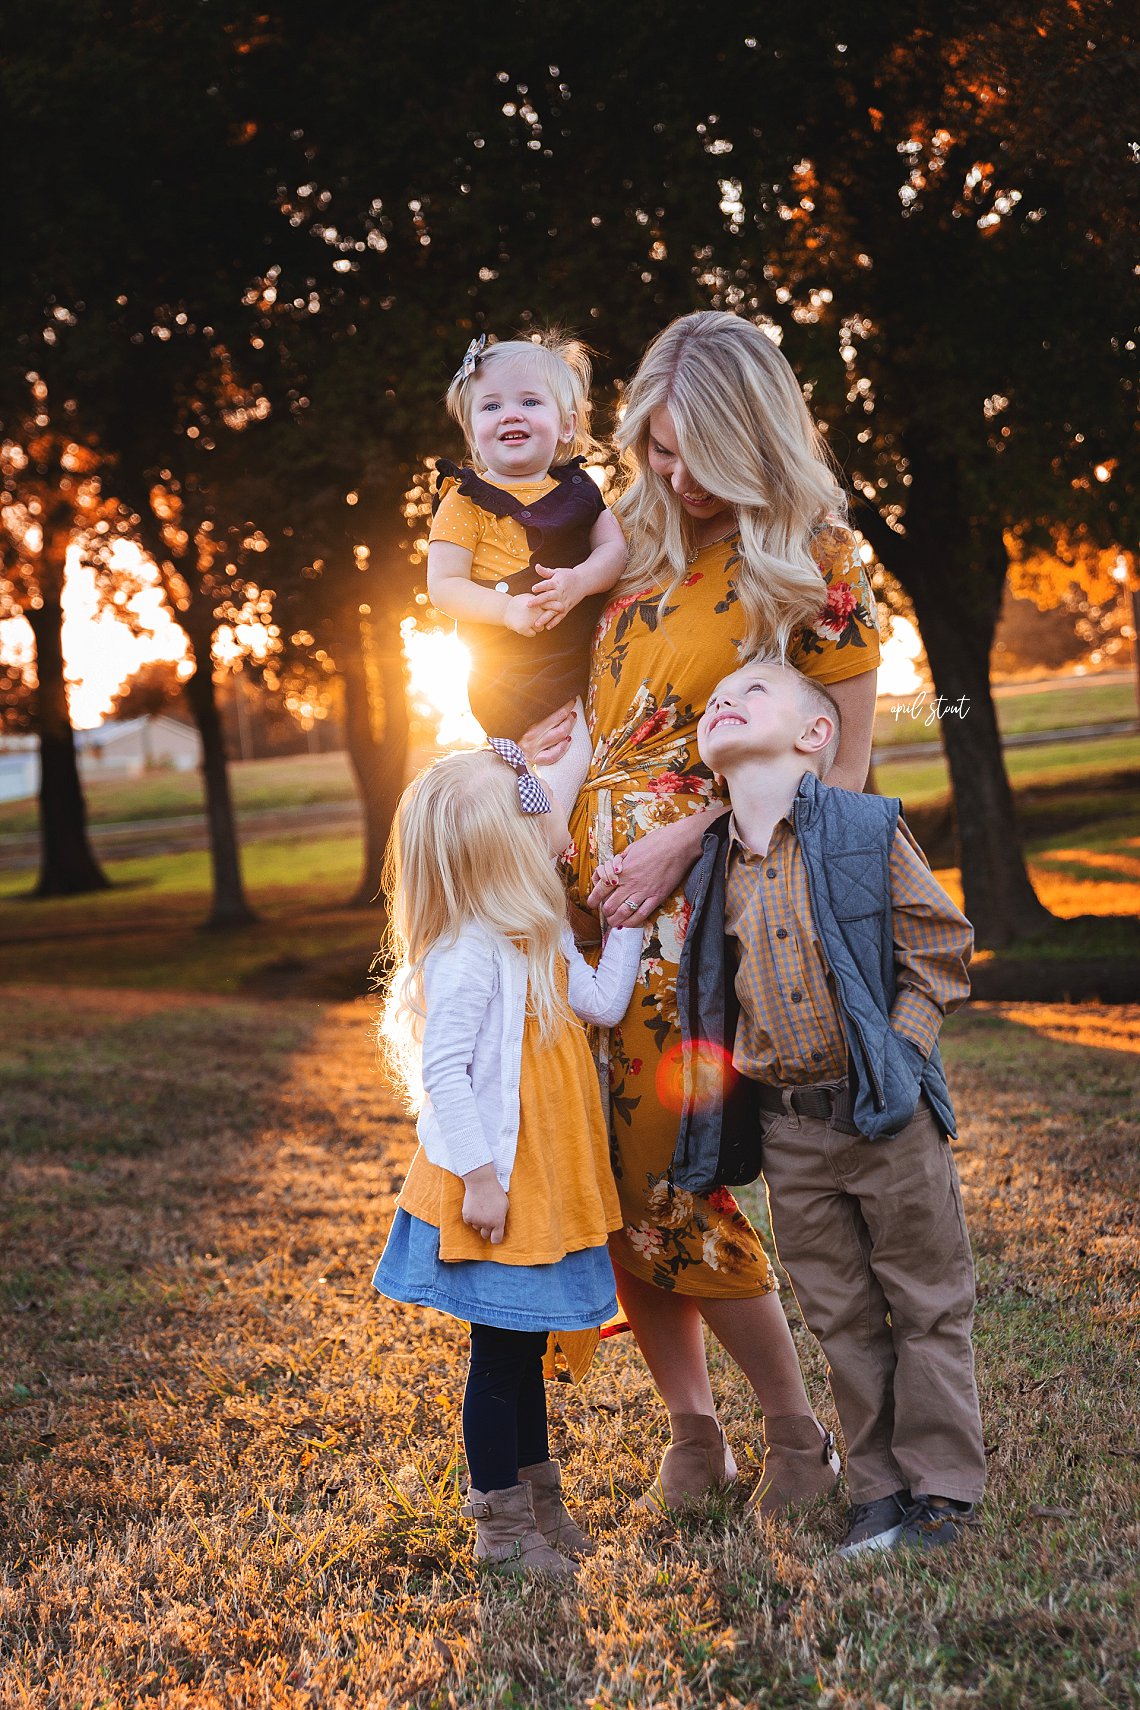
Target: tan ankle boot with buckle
554 1520
697 1460
507 1537
800 1463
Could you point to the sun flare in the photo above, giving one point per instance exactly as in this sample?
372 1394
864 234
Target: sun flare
438 664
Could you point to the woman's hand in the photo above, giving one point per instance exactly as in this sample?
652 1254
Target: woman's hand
485 1204
547 741
630 888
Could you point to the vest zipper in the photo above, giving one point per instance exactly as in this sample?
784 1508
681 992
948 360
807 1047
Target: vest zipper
876 1084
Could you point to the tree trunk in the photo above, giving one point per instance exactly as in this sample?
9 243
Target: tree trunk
999 896
374 696
955 578
229 907
67 863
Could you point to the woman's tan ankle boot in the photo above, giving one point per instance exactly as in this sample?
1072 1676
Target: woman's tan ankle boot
696 1461
507 1536
800 1463
554 1520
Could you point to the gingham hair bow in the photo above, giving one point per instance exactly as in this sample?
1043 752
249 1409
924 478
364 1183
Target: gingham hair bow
470 358
532 797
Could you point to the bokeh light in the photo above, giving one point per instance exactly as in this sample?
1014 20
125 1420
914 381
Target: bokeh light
708 1066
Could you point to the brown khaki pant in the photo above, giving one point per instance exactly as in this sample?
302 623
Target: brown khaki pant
872 1235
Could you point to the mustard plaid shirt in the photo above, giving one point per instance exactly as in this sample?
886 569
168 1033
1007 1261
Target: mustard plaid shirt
790 1032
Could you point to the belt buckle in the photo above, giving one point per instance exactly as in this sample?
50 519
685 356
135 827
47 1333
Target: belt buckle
818 1102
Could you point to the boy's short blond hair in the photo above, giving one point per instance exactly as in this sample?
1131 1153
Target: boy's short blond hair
814 698
559 363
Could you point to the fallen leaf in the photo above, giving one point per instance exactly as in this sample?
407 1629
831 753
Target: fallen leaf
1038 1511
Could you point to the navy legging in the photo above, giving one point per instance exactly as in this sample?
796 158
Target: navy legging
504 1406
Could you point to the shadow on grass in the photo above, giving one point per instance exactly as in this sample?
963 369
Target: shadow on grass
232 1469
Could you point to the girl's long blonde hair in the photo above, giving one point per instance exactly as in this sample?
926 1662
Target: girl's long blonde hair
559 362
745 433
463 852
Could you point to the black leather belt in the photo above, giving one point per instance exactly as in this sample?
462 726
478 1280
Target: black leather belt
823 1102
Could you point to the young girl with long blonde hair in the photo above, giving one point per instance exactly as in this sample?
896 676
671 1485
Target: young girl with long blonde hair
736 542
503 1218
522 546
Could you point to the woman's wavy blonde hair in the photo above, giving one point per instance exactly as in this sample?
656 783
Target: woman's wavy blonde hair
745 433
462 851
561 363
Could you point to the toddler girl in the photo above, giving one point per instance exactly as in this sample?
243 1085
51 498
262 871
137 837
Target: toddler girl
521 545
504 1215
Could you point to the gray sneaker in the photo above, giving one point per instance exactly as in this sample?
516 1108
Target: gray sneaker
931 1525
876 1525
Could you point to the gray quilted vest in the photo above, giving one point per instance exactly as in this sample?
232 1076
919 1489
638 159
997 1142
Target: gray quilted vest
846 840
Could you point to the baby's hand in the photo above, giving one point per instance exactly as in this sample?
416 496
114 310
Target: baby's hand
557 593
485 1204
523 614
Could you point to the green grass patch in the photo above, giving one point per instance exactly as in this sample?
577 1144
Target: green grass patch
295 780
147 930
924 782
1062 705
1081 821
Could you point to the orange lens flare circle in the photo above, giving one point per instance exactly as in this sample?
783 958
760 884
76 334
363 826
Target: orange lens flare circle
704 1066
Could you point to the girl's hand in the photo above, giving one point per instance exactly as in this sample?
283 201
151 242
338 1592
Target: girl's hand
647 873
547 741
557 593
522 613
485 1204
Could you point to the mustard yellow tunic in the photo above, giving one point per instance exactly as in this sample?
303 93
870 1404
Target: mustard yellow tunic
561 1196
651 676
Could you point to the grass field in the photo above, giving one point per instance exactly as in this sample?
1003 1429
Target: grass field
230 1470
920 782
303 780
296 780
1081 818
1061 704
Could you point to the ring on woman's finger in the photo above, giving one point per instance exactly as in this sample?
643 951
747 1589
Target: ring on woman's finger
632 906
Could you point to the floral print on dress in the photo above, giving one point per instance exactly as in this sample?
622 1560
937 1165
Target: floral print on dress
652 673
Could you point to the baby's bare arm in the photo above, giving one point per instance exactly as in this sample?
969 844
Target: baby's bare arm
560 591
452 591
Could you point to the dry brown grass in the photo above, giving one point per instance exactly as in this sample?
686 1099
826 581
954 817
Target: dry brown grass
230 1470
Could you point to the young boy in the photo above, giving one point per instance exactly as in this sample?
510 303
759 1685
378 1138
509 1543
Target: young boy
850 954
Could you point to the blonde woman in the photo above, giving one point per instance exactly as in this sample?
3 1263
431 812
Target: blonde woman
734 521
503 1218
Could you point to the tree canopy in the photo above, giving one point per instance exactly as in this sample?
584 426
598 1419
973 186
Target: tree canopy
283 237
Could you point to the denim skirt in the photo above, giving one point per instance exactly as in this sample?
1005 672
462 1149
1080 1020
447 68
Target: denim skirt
575 1293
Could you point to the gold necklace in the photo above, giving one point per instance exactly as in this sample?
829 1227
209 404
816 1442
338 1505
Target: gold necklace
697 550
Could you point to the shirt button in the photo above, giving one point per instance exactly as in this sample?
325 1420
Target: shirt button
781 932
502 587
817 1056
796 997
771 872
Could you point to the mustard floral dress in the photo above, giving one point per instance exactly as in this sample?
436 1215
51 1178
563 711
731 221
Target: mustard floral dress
651 674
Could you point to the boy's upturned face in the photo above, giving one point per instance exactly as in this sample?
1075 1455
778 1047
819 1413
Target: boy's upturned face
515 422
754 713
